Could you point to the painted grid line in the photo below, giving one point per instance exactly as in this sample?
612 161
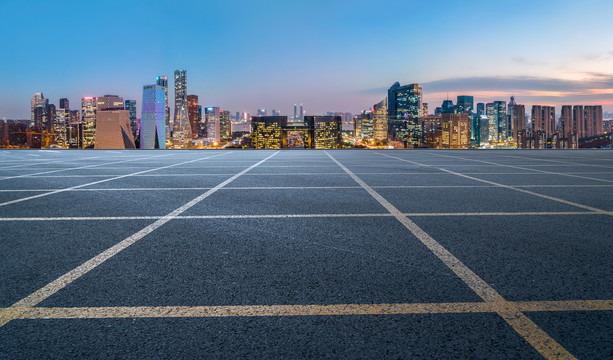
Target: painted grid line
118 312
289 216
530 331
535 170
105 180
511 187
61 282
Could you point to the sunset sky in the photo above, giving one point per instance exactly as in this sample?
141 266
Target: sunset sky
329 55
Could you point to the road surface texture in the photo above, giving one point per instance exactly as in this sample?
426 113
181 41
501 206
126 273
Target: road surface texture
294 254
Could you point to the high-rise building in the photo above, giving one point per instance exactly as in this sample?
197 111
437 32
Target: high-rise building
65 104
39 101
163 82
566 120
424 109
448 107
192 114
364 125
518 120
130 105
113 129
404 110
492 123
182 134
593 120
544 119
262 112
500 109
276 112
480 109
295 118
267 131
465 104
455 131
153 118
180 93
225 126
301 116
88 119
578 121
60 126
211 115
508 129
379 122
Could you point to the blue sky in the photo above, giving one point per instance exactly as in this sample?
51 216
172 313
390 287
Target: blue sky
329 55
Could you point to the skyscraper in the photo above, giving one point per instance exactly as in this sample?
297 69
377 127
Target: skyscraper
518 120
593 120
404 110
180 93
192 113
113 129
225 126
295 114
182 133
88 119
262 112
163 81
508 130
380 121
65 104
38 101
566 120
213 133
544 119
500 109
578 121
130 105
465 104
153 118
301 115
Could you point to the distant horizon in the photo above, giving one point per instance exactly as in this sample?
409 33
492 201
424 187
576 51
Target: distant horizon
331 57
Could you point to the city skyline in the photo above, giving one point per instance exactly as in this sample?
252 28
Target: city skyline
324 58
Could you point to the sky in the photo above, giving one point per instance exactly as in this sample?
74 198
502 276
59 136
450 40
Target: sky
329 55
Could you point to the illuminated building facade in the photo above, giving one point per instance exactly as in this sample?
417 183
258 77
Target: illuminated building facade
379 112
267 131
38 117
192 114
212 117
153 118
404 110
163 82
518 120
113 129
364 125
225 126
455 131
326 131
180 94
274 132
88 120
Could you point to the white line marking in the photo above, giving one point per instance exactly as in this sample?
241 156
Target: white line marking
102 181
289 216
83 167
59 283
524 168
531 332
590 208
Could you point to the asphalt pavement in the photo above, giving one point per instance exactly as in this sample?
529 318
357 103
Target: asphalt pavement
306 254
